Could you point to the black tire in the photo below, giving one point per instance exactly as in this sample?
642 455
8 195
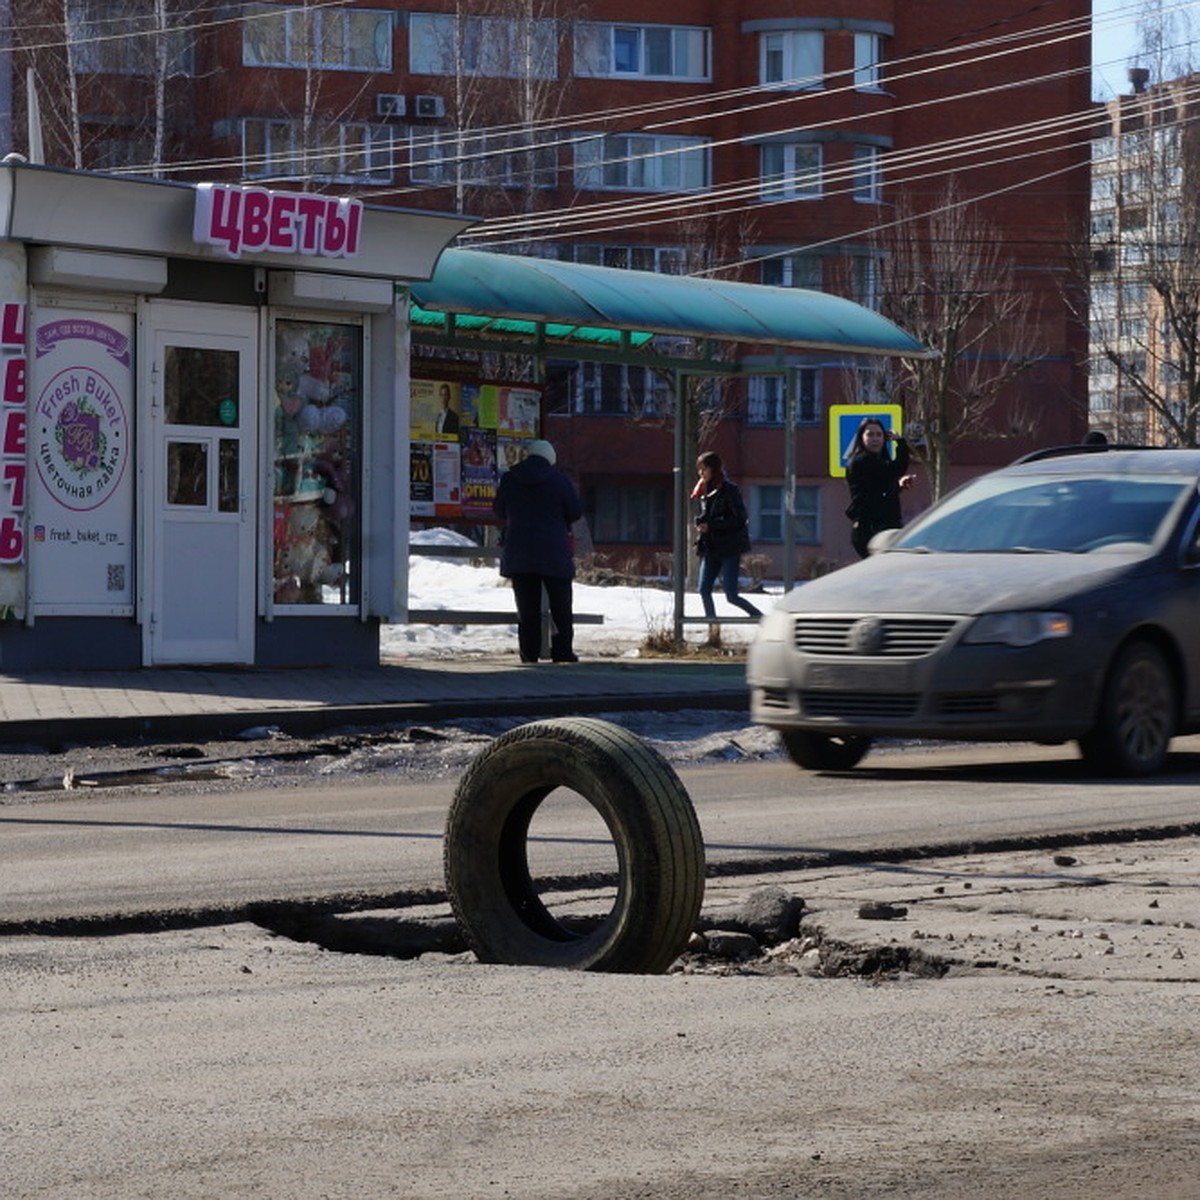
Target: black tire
823 751
1137 714
659 849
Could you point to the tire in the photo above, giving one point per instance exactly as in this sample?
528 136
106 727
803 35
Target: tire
823 751
1137 714
659 849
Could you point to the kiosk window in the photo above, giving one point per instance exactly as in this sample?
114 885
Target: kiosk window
317 448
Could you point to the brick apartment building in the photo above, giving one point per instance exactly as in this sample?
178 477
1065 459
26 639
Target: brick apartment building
761 139
1144 378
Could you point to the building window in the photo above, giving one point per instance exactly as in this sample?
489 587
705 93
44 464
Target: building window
621 389
635 162
770 519
794 270
794 59
334 39
642 51
868 174
791 171
104 41
765 398
632 513
343 153
446 156
666 260
868 50
495 47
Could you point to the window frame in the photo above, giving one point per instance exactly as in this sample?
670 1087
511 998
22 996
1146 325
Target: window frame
789 177
294 38
294 163
766 410
868 174
790 54
597 50
479 45
440 157
868 62
760 511
597 158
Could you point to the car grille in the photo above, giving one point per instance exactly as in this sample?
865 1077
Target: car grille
902 637
859 706
775 698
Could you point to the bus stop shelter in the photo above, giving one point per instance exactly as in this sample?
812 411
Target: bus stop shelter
541 308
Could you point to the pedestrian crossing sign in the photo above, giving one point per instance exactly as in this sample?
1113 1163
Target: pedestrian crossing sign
844 420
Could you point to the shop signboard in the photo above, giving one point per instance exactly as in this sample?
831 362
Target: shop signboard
13 460
81 444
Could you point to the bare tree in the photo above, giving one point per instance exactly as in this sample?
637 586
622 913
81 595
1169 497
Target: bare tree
108 56
945 278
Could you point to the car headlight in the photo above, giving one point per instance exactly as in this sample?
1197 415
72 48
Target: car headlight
1019 628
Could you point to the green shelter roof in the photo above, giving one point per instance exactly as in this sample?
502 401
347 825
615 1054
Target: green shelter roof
574 302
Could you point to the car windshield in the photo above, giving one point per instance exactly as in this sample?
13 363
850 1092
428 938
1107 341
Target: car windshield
1030 514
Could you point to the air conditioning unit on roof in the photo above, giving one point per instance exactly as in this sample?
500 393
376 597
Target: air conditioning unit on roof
429 106
388 104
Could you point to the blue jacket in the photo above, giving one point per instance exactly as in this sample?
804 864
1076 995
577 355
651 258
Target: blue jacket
538 504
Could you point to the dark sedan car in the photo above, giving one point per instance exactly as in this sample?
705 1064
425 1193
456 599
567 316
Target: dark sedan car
1055 599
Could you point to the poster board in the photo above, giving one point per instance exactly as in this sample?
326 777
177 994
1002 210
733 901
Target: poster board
464 434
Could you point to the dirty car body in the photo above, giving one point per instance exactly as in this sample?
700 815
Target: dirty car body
1055 599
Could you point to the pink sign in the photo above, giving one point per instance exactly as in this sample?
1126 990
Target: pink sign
255 219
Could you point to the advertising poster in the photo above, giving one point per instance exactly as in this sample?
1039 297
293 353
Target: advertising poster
479 472
447 479
519 410
509 452
435 412
420 479
81 444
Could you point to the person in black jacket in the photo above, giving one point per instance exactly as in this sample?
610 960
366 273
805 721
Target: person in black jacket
538 505
876 481
724 531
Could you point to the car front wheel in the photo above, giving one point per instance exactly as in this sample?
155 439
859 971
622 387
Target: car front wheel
823 751
1137 714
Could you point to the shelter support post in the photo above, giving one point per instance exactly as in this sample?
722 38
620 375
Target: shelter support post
679 531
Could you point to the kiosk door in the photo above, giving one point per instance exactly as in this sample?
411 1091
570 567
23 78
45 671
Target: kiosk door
200 502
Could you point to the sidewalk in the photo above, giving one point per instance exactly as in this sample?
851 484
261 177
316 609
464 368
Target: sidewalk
82 705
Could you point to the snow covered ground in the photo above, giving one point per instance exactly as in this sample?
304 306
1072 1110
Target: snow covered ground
631 614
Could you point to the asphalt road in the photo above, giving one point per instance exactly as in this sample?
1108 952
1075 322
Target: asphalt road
116 853
1057 1059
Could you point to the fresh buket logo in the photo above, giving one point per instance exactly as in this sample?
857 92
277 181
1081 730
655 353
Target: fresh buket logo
83 435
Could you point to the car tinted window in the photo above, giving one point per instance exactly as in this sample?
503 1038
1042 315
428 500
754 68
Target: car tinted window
1051 514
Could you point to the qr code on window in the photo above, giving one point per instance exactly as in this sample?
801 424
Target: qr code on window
116 577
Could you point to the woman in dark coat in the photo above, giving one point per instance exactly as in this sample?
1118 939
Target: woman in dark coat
875 482
724 534
539 504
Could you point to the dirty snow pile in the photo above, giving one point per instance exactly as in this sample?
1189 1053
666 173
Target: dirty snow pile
631 614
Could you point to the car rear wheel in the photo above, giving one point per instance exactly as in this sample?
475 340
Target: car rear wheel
823 751
1137 714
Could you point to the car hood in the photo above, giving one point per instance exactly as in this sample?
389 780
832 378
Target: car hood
961 583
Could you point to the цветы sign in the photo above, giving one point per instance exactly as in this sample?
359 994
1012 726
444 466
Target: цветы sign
254 220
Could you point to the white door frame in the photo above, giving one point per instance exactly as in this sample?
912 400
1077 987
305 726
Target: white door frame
198 522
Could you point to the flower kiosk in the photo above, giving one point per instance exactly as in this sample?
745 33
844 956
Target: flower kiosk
205 421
